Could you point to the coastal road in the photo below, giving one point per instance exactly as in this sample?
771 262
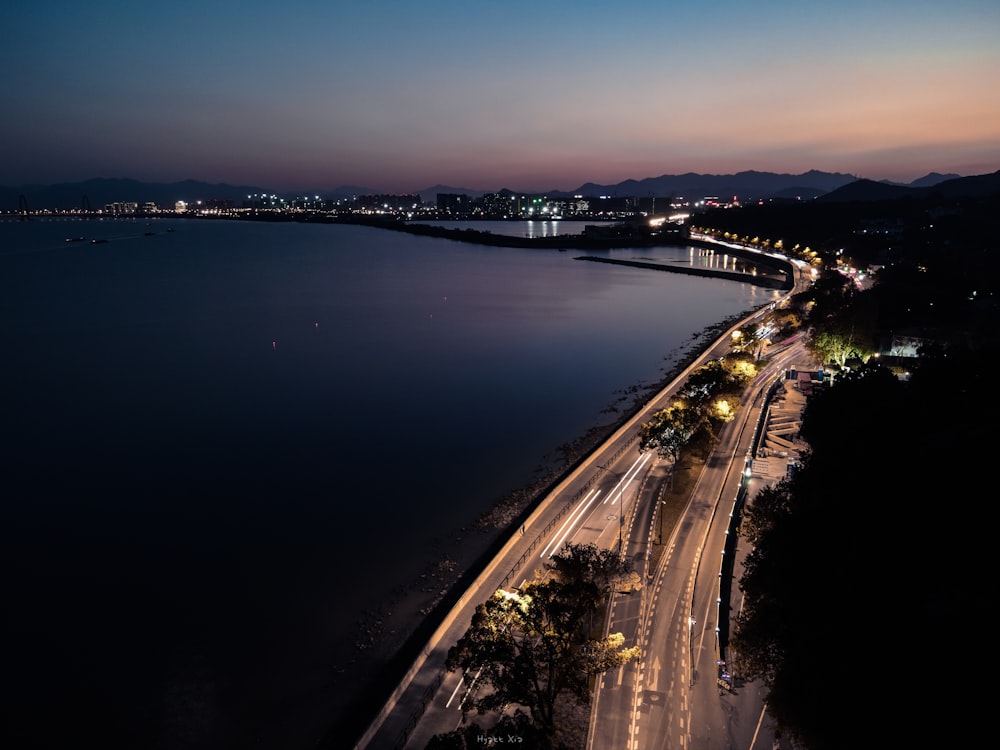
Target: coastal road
596 503
671 698
603 500
720 716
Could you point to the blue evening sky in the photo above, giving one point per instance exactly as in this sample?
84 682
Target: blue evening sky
399 96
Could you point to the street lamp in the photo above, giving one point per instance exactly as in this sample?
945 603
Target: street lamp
621 517
665 488
621 504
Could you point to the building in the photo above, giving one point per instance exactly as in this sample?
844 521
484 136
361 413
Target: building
457 204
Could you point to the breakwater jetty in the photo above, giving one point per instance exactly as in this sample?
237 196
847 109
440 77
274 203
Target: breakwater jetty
761 270
775 279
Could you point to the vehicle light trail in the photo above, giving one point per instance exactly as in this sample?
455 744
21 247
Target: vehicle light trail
569 522
627 477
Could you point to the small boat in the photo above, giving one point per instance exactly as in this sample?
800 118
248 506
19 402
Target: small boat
75 239
97 242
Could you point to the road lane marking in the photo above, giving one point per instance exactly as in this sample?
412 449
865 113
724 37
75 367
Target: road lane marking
629 475
574 514
654 670
455 691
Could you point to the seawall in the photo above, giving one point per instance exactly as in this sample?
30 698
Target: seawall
776 281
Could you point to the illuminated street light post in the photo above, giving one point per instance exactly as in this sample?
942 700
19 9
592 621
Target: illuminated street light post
621 517
621 503
661 503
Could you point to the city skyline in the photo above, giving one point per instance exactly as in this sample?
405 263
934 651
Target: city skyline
536 97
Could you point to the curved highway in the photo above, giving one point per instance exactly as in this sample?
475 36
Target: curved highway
672 697
608 500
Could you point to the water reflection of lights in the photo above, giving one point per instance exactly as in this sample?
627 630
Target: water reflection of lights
542 228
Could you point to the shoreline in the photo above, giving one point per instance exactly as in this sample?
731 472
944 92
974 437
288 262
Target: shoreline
391 637
341 680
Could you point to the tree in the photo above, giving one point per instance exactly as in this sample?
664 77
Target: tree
828 296
830 346
711 393
750 339
718 378
769 505
840 589
837 340
843 323
533 647
723 410
589 571
669 430
786 321
704 382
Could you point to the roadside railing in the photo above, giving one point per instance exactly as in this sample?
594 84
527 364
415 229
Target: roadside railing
428 694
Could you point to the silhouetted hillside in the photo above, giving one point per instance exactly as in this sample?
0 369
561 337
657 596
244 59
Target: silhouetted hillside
867 190
976 186
749 184
932 179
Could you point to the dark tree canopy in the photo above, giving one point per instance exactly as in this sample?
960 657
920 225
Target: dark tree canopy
867 586
709 398
670 429
864 559
534 647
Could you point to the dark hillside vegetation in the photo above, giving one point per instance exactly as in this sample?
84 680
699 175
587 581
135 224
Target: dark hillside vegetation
954 221
871 567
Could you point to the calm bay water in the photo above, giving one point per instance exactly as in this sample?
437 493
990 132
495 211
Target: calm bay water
229 444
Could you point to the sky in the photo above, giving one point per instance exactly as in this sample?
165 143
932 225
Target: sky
533 96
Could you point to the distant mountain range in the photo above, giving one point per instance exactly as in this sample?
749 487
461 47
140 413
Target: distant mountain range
749 185
948 187
746 185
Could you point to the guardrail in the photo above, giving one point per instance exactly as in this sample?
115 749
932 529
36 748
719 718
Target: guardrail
428 695
567 506
727 568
